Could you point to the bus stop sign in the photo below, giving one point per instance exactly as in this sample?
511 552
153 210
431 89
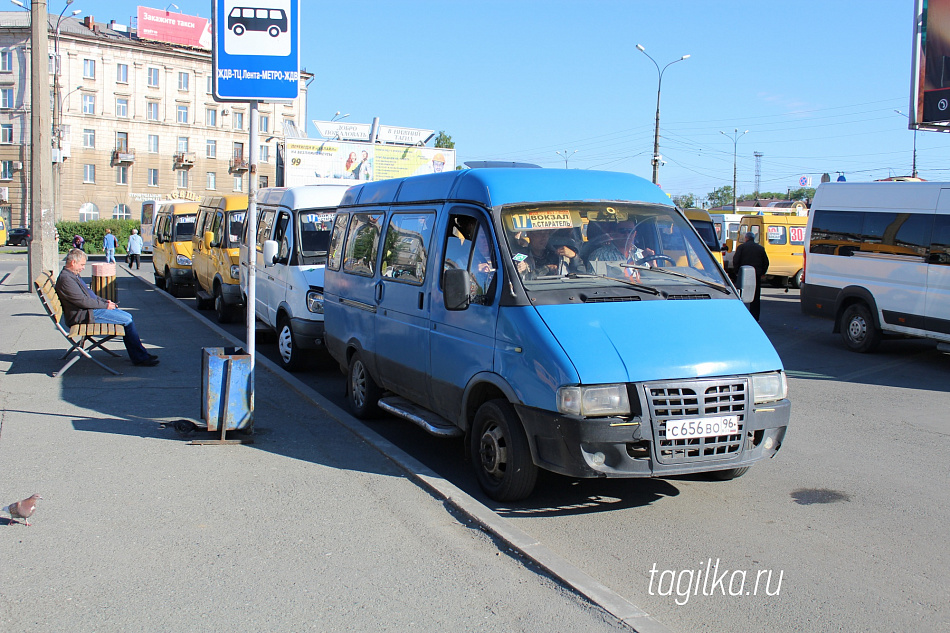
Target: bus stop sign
255 50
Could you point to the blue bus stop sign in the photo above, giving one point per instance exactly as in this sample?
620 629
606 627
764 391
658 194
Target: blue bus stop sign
256 49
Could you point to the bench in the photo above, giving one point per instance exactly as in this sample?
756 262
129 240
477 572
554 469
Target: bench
83 337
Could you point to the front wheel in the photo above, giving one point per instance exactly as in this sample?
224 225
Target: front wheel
221 309
858 330
291 357
500 453
726 475
170 285
362 392
797 279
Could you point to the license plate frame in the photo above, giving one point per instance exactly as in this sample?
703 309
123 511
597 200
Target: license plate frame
698 428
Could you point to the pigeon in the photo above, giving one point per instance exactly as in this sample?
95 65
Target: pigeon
22 509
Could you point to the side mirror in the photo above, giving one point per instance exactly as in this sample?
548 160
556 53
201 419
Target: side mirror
729 245
209 239
270 253
747 283
457 289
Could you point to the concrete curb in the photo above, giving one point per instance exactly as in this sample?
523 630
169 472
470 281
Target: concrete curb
517 540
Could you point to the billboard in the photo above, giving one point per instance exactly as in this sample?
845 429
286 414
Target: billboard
930 68
174 28
310 162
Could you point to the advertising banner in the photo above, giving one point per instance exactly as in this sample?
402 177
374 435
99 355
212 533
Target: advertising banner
174 28
930 71
308 162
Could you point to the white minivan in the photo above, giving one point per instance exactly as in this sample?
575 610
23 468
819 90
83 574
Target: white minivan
877 261
293 233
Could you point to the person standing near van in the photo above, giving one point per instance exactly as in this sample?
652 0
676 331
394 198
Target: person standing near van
751 253
108 244
134 248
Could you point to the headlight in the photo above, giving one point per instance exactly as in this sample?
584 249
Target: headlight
315 301
769 387
598 400
235 272
183 261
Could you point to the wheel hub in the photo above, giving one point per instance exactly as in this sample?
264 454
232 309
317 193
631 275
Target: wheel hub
857 329
493 452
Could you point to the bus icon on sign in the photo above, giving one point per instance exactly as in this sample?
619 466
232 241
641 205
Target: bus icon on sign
242 19
257 30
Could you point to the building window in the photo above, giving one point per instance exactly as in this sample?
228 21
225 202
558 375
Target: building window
89 69
89 104
153 77
262 182
6 97
265 153
212 149
264 123
6 133
89 138
238 151
122 142
153 143
152 177
183 81
211 180
183 114
89 173
238 120
6 60
122 107
122 175
182 143
122 73
211 117
121 212
182 178
6 170
88 212
239 183
210 84
151 110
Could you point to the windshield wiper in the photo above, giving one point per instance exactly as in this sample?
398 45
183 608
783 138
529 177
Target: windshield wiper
632 284
676 273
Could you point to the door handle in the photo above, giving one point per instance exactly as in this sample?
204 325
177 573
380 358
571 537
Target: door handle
379 292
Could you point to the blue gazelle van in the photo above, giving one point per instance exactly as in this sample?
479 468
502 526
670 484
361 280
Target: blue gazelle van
556 319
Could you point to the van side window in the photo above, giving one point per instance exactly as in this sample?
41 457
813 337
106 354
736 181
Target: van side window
216 228
362 244
940 248
264 226
404 254
776 234
282 235
468 245
335 256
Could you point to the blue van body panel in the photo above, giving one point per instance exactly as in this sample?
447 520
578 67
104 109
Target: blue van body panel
660 340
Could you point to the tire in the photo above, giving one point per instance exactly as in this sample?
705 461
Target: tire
362 392
222 309
273 31
238 30
159 281
292 358
170 285
727 475
797 279
500 453
858 330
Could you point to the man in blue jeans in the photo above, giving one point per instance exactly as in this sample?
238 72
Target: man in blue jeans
109 244
82 305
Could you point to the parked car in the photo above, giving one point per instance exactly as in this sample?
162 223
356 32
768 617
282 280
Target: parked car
19 237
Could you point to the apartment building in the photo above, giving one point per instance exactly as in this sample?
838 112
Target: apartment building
137 122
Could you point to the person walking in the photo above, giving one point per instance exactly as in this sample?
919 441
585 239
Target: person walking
751 253
134 248
109 244
82 305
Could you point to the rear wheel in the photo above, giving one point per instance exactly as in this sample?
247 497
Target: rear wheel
273 31
222 309
797 279
170 285
238 29
500 453
362 392
858 330
291 356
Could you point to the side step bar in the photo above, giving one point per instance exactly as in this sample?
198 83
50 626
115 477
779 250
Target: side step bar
434 424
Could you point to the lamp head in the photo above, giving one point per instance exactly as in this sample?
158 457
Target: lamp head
640 48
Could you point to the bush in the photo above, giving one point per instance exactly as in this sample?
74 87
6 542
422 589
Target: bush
93 232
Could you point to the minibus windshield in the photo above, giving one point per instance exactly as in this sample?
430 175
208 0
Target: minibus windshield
563 243
184 227
235 228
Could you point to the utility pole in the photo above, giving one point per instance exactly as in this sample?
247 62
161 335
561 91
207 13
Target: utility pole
656 128
43 253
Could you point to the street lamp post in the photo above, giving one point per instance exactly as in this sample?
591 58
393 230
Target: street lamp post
735 144
913 172
338 115
565 156
656 130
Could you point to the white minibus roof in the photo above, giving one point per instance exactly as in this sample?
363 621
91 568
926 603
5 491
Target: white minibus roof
870 196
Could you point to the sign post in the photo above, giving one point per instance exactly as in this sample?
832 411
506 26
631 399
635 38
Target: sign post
255 57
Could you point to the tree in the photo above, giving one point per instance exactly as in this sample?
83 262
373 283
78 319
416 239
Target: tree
685 201
720 197
444 140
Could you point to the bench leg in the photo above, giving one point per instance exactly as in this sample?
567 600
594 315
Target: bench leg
76 357
94 344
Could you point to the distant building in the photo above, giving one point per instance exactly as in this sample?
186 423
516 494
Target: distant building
137 122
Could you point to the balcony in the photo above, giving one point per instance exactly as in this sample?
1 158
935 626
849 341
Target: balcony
123 156
238 164
184 159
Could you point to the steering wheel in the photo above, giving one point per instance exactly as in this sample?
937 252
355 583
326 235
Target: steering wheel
653 258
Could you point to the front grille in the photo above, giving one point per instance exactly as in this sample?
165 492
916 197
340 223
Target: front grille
693 399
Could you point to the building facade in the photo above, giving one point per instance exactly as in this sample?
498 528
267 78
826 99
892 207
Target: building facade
136 121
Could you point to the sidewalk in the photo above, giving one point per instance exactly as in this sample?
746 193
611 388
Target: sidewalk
309 528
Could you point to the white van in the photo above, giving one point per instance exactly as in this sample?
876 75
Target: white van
293 234
877 261
727 230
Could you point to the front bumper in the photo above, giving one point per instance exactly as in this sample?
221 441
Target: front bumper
308 334
182 276
232 295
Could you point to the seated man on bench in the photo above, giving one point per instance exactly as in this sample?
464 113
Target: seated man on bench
82 305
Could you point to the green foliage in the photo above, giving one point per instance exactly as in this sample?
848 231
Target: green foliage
720 197
794 194
685 201
444 140
93 232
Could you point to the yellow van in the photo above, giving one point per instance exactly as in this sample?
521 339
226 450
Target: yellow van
784 243
216 254
703 224
172 247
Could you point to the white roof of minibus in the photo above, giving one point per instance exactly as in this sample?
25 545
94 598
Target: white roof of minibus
303 196
857 196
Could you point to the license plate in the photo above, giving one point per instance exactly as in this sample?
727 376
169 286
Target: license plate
702 427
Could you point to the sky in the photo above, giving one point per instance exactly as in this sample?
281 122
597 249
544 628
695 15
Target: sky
815 82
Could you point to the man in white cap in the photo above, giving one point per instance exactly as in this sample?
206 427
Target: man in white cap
134 249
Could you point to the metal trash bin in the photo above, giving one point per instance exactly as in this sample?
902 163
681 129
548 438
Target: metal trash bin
225 389
103 282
